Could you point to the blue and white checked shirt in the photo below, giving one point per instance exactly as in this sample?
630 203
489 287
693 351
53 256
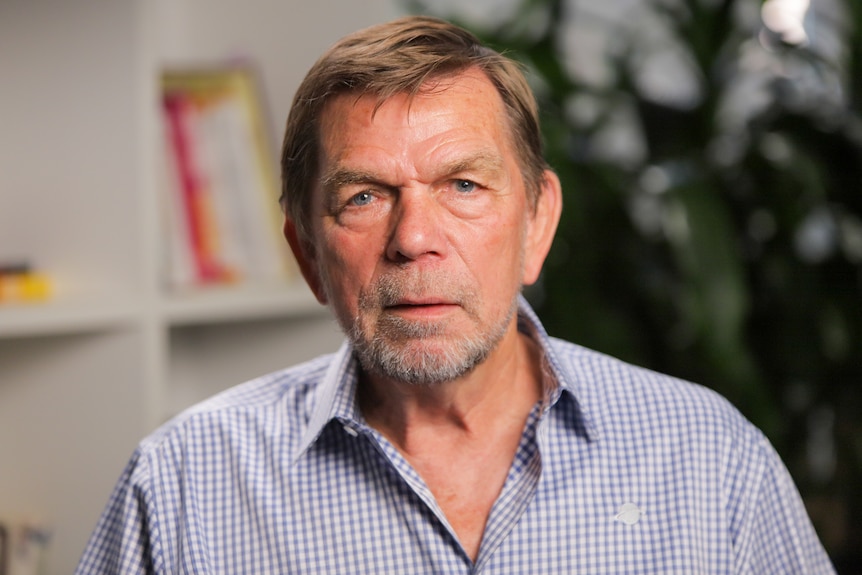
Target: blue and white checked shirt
619 470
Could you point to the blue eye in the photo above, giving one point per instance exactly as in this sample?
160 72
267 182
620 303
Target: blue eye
361 199
465 186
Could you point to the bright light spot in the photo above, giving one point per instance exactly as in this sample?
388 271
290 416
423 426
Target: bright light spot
655 180
817 236
787 19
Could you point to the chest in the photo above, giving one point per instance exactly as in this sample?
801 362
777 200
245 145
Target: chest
464 485
350 506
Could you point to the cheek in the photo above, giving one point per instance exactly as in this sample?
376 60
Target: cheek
349 263
508 236
496 254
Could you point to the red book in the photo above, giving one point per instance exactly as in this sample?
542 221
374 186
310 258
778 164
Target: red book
203 238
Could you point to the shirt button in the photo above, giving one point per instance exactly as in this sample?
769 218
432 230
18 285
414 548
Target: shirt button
350 431
629 514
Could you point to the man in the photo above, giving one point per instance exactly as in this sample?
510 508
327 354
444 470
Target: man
450 434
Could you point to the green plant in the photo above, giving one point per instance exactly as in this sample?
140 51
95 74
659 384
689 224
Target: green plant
715 235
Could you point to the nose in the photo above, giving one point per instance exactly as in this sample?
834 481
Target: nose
416 230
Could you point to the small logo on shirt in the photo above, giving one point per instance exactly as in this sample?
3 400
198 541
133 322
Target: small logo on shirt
629 514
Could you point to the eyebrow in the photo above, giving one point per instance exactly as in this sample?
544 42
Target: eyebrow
337 178
482 162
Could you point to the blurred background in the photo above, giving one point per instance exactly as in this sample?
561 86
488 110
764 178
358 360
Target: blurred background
711 157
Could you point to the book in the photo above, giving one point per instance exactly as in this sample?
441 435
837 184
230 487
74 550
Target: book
220 204
19 283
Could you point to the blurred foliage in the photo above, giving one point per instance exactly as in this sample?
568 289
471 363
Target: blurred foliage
713 217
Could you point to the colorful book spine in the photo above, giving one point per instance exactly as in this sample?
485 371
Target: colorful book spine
198 209
222 218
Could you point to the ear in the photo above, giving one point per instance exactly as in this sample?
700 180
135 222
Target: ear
303 251
542 226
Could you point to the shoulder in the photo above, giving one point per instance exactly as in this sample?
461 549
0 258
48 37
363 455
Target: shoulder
277 404
629 401
656 422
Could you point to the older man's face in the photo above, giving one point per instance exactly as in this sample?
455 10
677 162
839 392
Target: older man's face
421 228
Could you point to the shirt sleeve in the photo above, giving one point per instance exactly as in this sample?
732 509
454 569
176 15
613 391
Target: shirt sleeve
776 534
122 542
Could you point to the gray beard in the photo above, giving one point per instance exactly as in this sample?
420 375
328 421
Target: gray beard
385 349
381 353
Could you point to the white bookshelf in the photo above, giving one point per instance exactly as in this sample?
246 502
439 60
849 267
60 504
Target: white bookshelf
113 354
65 316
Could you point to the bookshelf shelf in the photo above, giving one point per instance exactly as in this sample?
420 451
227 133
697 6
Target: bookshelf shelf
85 376
64 317
223 304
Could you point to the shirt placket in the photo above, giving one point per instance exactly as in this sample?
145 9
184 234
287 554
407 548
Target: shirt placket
518 490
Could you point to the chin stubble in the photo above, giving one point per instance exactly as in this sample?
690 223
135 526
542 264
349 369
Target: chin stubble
408 350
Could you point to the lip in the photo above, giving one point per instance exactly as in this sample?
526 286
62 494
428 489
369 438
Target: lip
424 307
423 301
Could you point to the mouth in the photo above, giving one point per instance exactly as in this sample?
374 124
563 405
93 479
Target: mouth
424 307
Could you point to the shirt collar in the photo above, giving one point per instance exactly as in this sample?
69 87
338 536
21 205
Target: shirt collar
337 390
562 378
336 397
